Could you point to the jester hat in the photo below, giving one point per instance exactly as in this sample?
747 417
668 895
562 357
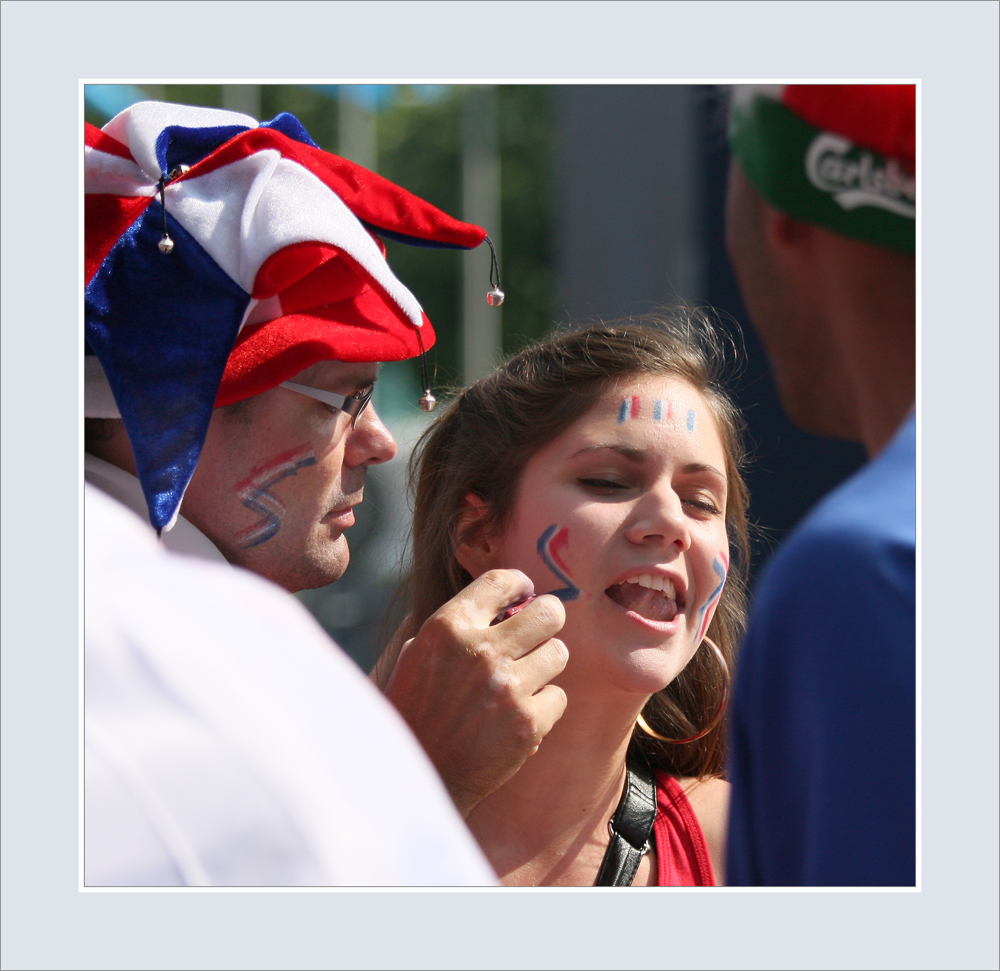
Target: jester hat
225 256
842 156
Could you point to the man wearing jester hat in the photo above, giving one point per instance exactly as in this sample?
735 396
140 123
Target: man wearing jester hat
821 232
238 302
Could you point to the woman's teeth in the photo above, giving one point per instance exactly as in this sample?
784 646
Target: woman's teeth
649 596
655 583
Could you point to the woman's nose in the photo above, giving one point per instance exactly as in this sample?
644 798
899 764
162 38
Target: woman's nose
658 518
369 441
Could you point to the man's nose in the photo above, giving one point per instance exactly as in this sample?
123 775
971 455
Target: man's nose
369 441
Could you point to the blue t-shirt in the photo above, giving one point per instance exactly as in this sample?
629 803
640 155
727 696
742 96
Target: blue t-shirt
823 740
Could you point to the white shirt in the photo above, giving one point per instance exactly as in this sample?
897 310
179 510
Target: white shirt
184 537
229 742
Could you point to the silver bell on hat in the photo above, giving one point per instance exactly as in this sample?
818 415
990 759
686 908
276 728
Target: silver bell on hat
495 297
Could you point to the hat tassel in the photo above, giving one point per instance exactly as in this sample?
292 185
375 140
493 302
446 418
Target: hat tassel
495 297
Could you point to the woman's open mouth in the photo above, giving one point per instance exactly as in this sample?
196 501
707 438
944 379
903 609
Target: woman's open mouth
652 597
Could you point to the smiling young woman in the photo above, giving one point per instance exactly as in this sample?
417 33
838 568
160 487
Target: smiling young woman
605 465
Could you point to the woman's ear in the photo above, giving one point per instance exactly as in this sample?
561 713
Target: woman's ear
476 551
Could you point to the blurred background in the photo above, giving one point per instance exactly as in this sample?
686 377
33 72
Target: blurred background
602 200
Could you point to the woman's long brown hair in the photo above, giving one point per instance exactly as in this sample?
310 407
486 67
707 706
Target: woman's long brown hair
483 440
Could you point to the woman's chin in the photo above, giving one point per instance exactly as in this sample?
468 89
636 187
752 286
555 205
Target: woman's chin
636 670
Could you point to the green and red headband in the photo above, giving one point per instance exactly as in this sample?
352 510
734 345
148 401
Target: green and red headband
841 156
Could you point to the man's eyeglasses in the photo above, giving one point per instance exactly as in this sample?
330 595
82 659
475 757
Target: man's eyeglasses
353 405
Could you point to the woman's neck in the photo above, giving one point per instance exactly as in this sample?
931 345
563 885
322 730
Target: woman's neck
548 824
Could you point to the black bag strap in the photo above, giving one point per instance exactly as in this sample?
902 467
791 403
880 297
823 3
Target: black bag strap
631 827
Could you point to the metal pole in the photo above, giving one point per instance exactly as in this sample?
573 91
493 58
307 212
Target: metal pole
357 135
482 331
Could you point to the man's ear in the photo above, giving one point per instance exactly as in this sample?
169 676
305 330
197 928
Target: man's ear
476 551
789 239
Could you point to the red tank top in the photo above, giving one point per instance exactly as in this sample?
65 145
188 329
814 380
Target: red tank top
681 854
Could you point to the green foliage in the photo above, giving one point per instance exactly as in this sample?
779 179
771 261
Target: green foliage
316 110
419 148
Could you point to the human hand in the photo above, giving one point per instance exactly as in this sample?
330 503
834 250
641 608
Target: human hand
477 696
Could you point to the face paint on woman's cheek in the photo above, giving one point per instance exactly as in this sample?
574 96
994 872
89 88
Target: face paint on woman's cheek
254 493
721 567
550 543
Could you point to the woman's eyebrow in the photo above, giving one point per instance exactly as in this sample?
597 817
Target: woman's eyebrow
695 467
636 455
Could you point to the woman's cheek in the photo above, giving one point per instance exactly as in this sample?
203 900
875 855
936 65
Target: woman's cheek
720 570
553 547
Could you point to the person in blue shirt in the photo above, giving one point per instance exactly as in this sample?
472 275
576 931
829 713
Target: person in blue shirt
820 229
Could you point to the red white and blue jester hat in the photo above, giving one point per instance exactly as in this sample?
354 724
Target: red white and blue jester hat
225 256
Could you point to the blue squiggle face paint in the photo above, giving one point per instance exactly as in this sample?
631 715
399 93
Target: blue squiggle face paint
550 543
254 492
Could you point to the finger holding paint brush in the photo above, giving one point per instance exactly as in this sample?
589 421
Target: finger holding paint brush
476 693
549 544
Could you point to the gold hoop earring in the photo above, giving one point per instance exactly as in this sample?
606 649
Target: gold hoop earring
642 723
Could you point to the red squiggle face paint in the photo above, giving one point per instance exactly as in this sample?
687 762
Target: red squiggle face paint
721 566
550 545
255 492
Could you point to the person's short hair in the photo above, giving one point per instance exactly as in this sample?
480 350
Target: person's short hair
484 439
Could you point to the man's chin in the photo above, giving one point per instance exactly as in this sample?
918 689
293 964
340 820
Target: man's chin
322 570
312 568
818 414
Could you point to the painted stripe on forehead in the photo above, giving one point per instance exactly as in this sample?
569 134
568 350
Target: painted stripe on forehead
629 408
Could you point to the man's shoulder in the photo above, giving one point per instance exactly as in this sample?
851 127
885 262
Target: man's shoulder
848 572
126 490
861 531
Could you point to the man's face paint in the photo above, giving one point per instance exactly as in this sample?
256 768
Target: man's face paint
254 492
279 511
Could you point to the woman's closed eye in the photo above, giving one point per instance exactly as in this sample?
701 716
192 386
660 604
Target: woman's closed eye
603 485
703 504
